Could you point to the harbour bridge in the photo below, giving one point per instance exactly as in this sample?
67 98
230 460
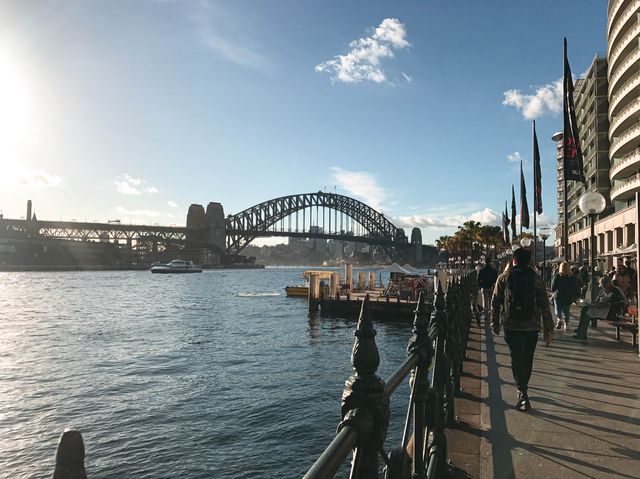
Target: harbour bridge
320 215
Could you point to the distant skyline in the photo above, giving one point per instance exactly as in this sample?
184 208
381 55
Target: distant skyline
134 109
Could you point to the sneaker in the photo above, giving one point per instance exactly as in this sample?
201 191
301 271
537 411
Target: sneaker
559 324
523 403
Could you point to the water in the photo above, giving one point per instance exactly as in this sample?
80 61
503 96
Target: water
210 375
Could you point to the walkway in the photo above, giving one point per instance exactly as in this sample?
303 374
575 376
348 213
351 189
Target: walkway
585 421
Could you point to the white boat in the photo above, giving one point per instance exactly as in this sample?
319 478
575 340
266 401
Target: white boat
177 266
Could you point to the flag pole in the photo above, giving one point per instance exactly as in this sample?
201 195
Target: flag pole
535 205
565 214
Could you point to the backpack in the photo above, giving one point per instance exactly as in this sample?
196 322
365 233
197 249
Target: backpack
519 294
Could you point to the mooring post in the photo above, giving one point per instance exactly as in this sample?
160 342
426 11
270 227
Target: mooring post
314 288
70 457
364 406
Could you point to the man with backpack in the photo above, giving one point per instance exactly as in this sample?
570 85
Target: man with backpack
520 304
487 277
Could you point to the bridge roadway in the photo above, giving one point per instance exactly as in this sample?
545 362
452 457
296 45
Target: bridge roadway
585 418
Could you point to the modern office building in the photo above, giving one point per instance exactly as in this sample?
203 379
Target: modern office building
615 228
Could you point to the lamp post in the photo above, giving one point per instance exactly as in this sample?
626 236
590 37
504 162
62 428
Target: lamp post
544 233
592 203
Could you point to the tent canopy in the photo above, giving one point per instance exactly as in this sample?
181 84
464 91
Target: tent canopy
395 268
411 269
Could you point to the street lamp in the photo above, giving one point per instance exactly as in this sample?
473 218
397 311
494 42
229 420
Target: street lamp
544 233
592 203
526 242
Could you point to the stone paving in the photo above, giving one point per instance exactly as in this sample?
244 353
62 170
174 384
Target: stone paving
585 421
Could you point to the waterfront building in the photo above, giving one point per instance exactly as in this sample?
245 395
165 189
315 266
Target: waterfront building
615 228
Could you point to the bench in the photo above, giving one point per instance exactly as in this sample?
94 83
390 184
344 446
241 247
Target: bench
628 324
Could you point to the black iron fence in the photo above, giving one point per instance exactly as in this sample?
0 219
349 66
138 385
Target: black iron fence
434 364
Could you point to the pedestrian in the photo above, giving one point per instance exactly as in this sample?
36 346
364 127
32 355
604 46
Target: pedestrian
633 280
487 277
566 291
520 305
584 277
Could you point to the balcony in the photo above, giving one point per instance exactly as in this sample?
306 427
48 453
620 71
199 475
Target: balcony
630 10
625 189
624 67
626 113
622 167
628 87
626 43
621 143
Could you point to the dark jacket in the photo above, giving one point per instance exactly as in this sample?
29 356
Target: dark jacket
487 277
566 288
541 319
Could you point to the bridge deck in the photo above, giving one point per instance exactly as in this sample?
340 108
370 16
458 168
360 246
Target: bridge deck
585 416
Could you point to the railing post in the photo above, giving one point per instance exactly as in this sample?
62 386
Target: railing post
421 344
441 368
70 457
364 405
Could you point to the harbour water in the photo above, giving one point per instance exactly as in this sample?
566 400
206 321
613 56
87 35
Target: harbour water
212 375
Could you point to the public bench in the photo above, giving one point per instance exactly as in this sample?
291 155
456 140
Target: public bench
628 324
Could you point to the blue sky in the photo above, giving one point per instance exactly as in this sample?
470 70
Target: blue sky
136 109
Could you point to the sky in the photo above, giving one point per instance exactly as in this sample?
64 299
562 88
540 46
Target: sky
422 109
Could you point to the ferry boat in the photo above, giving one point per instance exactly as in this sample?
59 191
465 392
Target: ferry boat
303 290
177 266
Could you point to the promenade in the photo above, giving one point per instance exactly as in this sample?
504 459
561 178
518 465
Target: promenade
585 418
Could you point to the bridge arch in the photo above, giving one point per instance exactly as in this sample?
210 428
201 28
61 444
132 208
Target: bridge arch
262 220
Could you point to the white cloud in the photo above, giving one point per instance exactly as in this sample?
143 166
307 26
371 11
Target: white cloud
39 179
127 185
172 204
360 184
547 99
210 22
145 213
485 217
362 62
515 157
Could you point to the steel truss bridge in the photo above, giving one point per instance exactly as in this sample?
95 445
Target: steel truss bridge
309 215
313 215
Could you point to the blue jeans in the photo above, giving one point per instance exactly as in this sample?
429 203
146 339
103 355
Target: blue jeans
563 311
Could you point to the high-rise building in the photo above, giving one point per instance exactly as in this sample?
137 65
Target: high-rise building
591 105
623 29
615 228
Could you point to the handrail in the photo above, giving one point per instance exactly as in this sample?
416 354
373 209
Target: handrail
334 455
437 345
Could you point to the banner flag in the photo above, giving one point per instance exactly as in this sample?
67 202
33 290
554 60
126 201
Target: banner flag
524 207
505 225
537 175
513 212
572 152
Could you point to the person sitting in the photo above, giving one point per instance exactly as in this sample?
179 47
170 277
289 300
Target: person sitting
612 295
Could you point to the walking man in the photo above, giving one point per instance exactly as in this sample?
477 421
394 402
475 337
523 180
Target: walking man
521 306
486 280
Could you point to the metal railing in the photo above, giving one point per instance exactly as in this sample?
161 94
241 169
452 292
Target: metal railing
438 346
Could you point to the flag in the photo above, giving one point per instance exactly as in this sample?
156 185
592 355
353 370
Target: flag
572 153
505 225
524 207
537 175
513 212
